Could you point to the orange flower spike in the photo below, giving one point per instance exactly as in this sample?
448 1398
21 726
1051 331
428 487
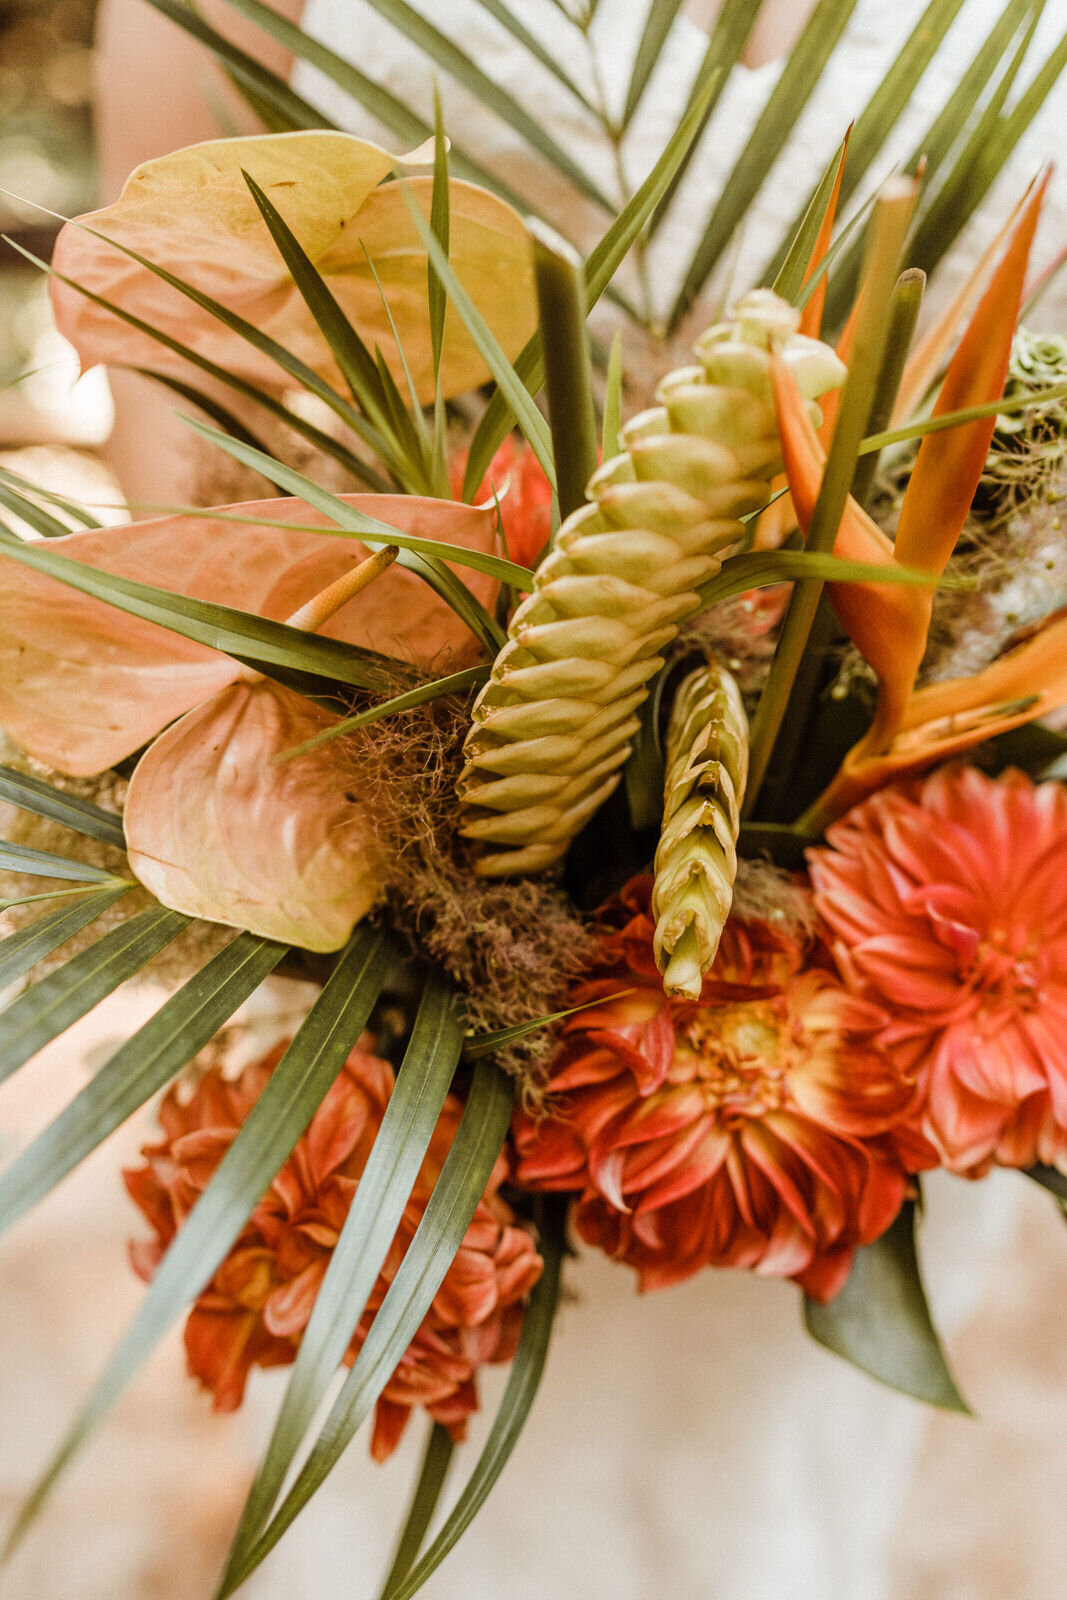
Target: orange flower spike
950 463
778 521
926 358
887 623
811 316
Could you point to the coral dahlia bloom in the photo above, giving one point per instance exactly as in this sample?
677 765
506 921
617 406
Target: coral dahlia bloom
749 1128
257 1305
948 897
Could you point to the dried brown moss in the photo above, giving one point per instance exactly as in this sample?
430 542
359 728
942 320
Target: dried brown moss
512 947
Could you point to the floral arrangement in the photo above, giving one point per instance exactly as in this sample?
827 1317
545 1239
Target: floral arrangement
667 812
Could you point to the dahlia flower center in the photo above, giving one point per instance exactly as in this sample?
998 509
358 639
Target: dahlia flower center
739 1055
1004 969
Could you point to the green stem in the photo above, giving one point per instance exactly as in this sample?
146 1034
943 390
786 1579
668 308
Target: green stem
888 229
561 304
795 731
903 315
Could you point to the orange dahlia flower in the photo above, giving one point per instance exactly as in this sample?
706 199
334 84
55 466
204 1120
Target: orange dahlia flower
257 1305
949 901
750 1128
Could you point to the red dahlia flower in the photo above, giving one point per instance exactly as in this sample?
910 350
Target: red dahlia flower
949 901
257 1305
749 1128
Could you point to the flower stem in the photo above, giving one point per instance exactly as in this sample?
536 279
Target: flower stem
561 302
888 228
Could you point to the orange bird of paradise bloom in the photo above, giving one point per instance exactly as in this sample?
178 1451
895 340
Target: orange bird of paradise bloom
888 623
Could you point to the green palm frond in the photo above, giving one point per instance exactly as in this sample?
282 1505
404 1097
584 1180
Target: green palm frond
411 1115
276 1121
459 1188
142 1066
523 1382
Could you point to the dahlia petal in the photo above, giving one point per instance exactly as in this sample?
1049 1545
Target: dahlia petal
390 1420
287 1311
826 1274
607 1170
909 971
689 1170
996 1063
469 1292
773 1159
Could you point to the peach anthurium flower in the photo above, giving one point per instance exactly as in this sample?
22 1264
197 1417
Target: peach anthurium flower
948 899
215 828
751 1128
193 213
256 1307
889 623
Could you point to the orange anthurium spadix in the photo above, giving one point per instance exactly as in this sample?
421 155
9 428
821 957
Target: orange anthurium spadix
215 827
889 623
193 213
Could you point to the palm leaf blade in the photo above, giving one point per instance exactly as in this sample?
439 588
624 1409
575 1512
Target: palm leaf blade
466 1171
144 1064
275 1122
523 1382
21 951
385 1184
42 1013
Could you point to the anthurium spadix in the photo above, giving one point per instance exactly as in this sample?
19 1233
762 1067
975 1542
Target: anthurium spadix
888 624
193 213
215 826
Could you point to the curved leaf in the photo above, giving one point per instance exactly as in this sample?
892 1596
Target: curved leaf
42 1013
46 864
466 1171
384 1188
148 1060
881 1323
431 1481
523 1382
278 1118
21 951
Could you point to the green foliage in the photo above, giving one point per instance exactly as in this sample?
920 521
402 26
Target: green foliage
276 1121
523 1382
384 1187
139 1068
881 1323
455 1196
48 1009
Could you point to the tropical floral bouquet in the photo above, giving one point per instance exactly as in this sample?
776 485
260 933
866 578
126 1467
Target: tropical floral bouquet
666 809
